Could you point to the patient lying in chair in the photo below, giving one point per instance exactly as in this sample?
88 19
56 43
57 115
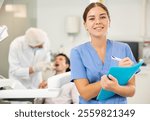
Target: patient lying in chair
68 93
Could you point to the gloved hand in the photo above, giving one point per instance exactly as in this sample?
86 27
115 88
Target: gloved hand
39 66
43 85
49 66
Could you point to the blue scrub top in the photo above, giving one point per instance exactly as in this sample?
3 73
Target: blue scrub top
85 63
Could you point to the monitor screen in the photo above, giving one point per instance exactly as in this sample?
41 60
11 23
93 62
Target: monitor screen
135 48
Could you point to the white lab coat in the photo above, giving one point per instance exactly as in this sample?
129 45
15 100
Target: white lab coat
21 57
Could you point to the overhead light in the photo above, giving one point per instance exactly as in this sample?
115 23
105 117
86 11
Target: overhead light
18 9
9 8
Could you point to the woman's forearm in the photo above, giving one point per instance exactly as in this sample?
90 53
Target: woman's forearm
125 91
89 91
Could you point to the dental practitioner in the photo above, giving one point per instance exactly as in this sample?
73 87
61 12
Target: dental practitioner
91 61
28 54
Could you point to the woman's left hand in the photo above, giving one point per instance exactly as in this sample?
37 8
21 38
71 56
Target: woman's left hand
108 84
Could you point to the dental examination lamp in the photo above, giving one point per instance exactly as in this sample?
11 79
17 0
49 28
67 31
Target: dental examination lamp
3 28
3 32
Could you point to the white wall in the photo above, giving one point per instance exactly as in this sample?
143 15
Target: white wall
51 16
148 21
125 19
126 22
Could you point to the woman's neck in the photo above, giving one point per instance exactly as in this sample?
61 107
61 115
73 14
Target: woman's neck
98 43
100 46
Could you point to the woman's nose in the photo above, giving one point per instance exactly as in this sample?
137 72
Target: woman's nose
97 21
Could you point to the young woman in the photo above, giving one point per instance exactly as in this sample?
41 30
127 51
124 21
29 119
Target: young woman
91 61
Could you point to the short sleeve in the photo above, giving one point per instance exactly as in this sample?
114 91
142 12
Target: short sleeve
78 70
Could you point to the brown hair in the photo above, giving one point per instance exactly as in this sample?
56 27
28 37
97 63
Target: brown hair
92 5
66 58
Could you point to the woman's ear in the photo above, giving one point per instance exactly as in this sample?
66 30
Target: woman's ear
85 26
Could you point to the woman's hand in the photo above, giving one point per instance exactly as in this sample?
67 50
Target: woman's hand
109 84
126 62
112 85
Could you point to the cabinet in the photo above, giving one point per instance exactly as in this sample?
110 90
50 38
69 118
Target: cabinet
142 94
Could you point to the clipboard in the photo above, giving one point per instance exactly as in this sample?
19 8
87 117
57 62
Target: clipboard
123 75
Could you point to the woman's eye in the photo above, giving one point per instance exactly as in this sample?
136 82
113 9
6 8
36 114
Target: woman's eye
91 18
102 17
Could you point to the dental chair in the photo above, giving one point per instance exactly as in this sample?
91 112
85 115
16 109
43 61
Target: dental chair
55 82
8 85
13 90
62 81
58 80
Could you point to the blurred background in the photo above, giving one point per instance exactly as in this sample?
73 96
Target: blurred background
62 20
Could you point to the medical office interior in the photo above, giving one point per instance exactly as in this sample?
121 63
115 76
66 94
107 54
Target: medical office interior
62 20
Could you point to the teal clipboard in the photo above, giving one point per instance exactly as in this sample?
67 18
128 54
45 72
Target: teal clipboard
123 75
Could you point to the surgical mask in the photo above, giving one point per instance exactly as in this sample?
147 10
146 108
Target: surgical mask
35 50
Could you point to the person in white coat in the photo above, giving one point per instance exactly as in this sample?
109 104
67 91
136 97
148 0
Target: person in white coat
27 56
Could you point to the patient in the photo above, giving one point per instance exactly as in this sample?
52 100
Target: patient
68 93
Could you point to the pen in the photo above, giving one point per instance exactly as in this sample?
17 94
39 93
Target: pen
108 77
115 58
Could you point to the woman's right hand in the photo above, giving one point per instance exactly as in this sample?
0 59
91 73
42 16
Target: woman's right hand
126 62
